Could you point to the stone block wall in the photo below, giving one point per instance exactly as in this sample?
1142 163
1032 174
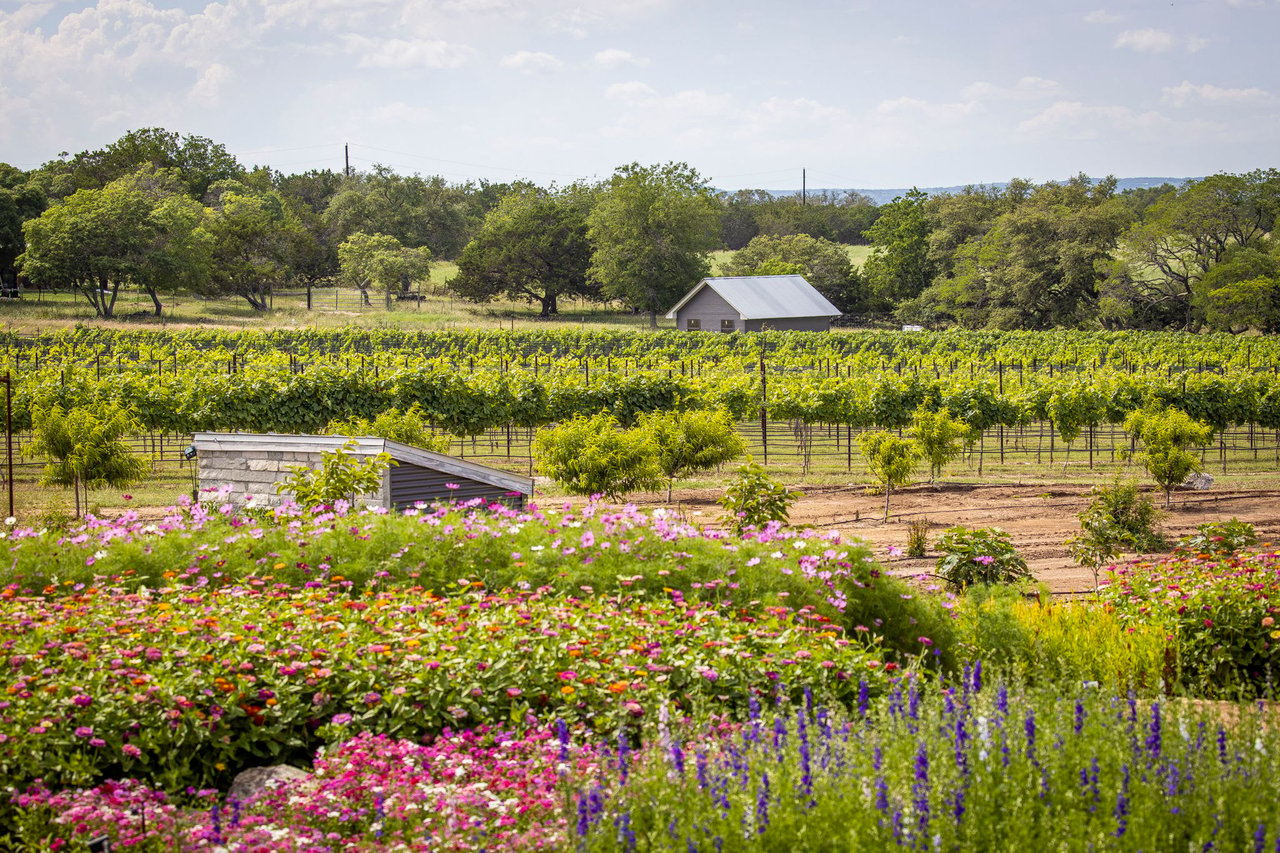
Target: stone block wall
256 476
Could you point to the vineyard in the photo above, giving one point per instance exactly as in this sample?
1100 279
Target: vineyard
1036 399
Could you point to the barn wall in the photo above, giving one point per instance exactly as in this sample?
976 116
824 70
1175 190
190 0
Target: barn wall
791 324
255 475
709 307
410 483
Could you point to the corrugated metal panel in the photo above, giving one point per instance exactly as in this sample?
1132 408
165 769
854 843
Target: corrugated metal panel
410 484
759 297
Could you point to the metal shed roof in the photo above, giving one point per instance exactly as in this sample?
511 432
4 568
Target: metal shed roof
761 297
249 443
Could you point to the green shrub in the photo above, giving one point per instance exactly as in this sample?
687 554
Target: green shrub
1119 517
593 456
890 459
690 442
906 621
407 427
1167 437
340 477
982 555
1220 537
754 499
918 538
940 437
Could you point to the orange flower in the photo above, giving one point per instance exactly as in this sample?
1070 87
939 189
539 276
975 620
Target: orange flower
618 687
567 690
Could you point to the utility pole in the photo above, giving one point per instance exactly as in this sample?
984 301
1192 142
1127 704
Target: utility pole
804 188
346 156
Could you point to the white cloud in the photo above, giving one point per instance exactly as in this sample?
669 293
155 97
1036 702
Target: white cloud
1025 89
1078 121
629 91
613 58
208 88
1187 93
917 110
405 53
1195 44
1147 41
1101 16
530 62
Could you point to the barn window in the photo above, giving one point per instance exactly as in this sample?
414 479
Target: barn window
726 325
693 324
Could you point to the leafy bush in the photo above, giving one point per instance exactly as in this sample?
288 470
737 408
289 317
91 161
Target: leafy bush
593 456
409 426
689 442
906 623
1118 517
1220 538
754 499
341 476
983 555
84 448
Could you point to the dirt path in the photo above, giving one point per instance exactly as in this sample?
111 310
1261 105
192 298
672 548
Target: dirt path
1039 518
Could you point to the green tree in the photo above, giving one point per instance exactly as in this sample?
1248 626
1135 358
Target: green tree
378 260
417 211
890 459
1167 438
593 456
22 197
533 245
940 438
823 264
651 230
1182 235
198 162
899 266
1240 292
84 448
690 442
100 240
253 237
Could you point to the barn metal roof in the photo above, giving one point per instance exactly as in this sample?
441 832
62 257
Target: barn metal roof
249 443
762 297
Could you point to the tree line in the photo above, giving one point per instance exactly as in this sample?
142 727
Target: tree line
167 213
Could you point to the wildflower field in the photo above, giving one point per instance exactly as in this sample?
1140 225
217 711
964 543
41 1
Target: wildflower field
469 677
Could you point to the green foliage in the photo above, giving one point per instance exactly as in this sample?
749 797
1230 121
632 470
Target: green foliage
940 437
341 476
690 442
890 459
651 228
594 456
407 427
254 237
532 246
1220 538
983 555
1119 517
754 499
899 267
908 624
1167 437
85 449
1059 643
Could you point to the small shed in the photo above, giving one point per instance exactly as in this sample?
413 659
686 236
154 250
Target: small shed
751 303
253 463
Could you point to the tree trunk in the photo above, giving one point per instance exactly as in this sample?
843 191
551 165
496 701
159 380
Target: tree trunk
155 299
364 296
653 319
888 490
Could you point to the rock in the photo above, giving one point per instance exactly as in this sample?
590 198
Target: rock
252 782
1197 482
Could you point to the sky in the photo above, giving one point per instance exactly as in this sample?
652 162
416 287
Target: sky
858 93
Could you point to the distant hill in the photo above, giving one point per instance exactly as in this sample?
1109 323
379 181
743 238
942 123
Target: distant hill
883 196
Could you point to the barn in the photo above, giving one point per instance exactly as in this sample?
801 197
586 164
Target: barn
753 303
253 463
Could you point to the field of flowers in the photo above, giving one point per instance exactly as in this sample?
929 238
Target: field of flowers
465 677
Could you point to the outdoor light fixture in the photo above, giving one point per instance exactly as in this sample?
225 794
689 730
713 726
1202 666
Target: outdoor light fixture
189 452
101 844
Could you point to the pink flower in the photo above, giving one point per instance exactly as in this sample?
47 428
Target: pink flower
372 698
131 750
984 560
84 731
341 719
